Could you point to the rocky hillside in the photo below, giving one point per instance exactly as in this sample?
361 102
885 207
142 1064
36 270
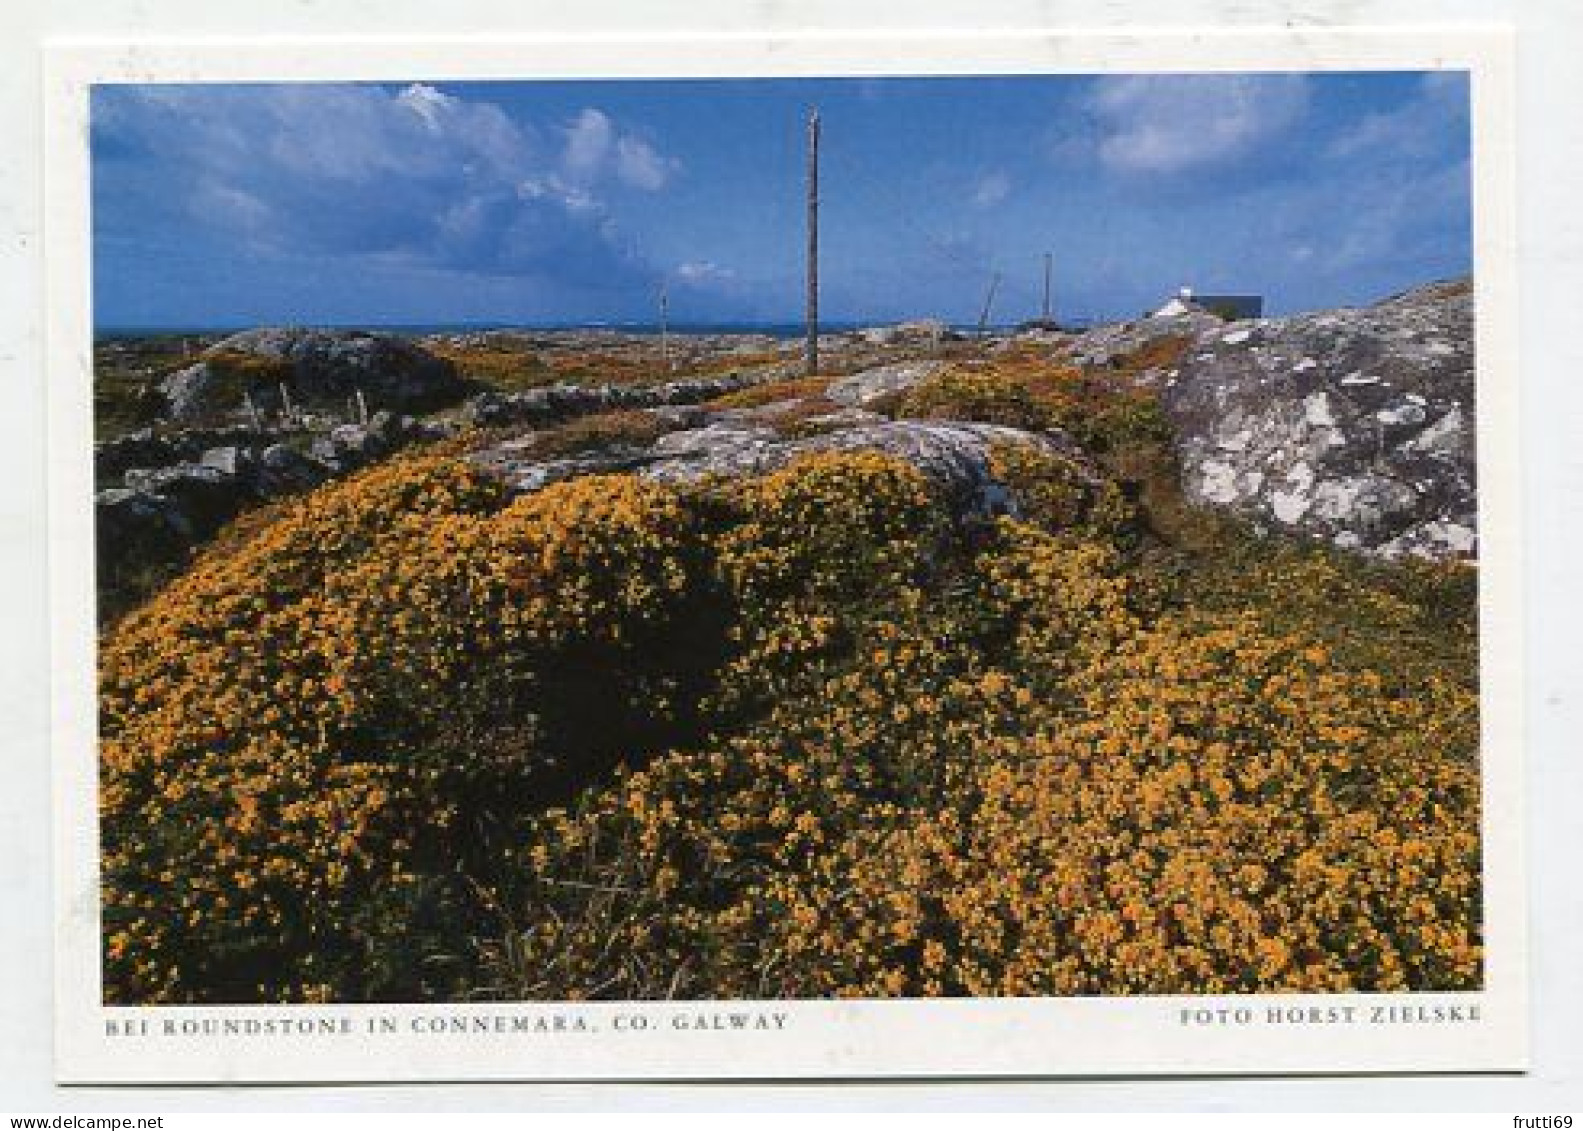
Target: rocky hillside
1354 426
1351 426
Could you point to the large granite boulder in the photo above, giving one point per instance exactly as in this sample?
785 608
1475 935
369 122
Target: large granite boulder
554 403
318 369
1355 426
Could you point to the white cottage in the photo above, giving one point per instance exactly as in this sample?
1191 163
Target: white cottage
1232 308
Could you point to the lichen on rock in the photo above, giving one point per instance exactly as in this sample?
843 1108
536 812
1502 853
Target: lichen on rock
1353 426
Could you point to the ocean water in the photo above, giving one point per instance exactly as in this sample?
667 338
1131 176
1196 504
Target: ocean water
783 330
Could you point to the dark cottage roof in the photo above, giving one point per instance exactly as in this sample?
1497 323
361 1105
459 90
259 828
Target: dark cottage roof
1232 307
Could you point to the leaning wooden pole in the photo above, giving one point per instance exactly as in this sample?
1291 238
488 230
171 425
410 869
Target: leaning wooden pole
811 348
989 303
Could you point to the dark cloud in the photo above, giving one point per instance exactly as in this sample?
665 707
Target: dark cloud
406 175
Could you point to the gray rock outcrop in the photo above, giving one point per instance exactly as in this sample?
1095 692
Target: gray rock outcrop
1355 426
155 515
563 402
316 367
161 494
954 454
146 448
870 385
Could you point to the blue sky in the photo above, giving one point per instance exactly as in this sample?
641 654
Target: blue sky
566 202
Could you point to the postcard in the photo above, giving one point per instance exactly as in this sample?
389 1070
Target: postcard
772 557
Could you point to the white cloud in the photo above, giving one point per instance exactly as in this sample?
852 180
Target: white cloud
355 133
1170 124
992 188
427 103
411 174
1433 121
551 187
699 272
588 141
596 148
639 165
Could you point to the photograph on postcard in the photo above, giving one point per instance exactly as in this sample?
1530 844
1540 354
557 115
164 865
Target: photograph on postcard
888 537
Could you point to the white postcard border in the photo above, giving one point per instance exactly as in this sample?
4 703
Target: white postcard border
646 1040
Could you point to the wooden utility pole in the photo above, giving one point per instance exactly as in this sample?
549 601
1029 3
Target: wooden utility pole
989 301
665 339
1044 311
811 348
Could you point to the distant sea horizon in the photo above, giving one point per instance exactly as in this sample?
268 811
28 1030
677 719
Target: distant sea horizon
783 330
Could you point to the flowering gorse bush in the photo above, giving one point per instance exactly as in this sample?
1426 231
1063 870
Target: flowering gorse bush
798 734
1053 798
303 732
968 394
